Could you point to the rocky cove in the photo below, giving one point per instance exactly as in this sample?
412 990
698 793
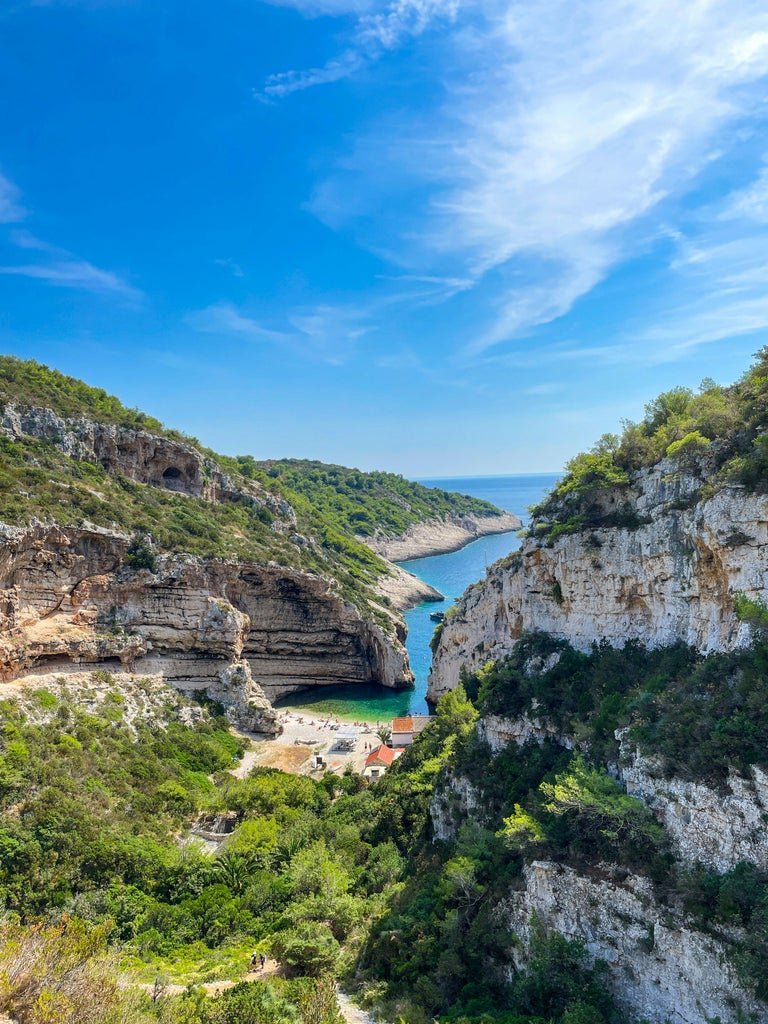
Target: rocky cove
244 631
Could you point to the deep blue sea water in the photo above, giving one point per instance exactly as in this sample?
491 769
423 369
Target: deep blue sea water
451 574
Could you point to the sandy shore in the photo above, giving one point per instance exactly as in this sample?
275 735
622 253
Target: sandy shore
303 736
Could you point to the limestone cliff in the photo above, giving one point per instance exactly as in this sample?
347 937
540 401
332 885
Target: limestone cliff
660 969
670 574
661 966
719 828
247 633
139 455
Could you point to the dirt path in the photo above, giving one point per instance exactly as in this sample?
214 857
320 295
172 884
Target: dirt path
352 1014
213 988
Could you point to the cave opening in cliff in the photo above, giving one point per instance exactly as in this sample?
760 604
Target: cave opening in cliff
173 479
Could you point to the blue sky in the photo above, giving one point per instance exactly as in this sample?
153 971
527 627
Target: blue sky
431 237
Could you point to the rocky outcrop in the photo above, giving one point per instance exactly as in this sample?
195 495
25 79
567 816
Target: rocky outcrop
498 732
403 590
439 536
452 805
717 828
146 458
246 633
671 576
659 969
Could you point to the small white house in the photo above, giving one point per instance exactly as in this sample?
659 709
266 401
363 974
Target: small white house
404 730
379 760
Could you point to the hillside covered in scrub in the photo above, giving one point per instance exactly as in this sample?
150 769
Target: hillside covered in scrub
128 547
329 878
71 453
500 871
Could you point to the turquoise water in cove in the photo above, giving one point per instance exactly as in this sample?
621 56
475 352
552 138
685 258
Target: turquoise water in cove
451 574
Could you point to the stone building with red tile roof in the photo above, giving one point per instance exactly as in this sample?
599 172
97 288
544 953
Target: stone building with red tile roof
379 760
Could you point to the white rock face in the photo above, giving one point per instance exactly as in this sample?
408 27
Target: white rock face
659 969
671 579
498 732
242 631
719 829
438 536
453 805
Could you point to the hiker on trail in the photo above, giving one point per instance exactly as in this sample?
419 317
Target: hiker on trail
262 960
254 958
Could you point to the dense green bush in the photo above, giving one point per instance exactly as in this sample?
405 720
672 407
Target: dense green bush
700 715
720 432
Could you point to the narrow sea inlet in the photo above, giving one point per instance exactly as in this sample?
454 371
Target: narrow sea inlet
451 574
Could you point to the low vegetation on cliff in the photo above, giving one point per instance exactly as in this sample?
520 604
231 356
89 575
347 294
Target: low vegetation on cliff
366 503
719 432
302 515
699 717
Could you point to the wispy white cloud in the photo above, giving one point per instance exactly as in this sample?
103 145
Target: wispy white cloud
725 287
569 136
64 269
11 209
379 28
75 273
750 203
286 82
324 333
60 267
229 264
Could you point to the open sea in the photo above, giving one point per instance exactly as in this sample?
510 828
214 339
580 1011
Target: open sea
451 574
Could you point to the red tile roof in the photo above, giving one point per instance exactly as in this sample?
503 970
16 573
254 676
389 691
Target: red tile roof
383 754
413 723
402 724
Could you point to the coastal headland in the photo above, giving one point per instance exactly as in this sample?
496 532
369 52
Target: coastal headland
422 540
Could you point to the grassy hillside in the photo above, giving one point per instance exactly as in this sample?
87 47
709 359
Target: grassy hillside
366 502
29 385
721 430
332 504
